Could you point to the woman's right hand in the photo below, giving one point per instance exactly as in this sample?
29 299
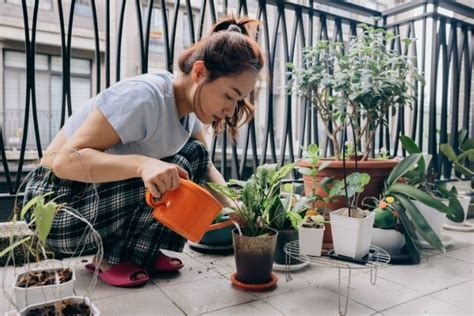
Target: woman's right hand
160 177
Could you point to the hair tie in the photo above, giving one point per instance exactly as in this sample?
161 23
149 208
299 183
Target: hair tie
234 28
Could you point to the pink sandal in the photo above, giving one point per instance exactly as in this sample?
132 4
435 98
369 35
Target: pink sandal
121 274
163 263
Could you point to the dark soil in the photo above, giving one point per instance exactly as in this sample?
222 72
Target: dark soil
64 307
42 278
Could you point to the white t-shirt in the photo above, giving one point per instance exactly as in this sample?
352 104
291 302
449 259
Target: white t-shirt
142 110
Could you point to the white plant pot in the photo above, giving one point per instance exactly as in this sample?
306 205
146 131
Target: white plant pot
40 294
74 299
434 217
389 240
310 241
351 236
464 201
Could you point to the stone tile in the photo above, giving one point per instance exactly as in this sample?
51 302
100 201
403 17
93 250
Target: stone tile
449 266
460 239
284 286
225 266
427 306
7 275
418 279
201 296
319 274
314 301
6 301
461 295
258 308
192 270
150 302
383 294
103 290
465 254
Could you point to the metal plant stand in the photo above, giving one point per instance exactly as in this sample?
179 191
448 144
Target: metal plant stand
377 258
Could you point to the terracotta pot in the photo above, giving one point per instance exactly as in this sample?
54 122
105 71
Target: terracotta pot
377 169
327 237
254 257
285 236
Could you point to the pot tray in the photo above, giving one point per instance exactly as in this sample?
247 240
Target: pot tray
254 287
364 260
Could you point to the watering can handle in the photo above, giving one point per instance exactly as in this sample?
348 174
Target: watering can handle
151 201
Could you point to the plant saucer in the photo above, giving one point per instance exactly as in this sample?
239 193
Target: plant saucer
290 267
461 227
254 287
362 260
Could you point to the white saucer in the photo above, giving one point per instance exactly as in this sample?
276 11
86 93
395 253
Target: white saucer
445 239
291 267
461 227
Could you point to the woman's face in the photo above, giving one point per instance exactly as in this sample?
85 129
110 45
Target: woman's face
218 99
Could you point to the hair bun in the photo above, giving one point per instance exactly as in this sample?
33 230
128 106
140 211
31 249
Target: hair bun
234 28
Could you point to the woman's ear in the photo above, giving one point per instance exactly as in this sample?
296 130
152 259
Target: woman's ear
199 71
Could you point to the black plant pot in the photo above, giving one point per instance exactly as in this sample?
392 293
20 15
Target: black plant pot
254 257
285 236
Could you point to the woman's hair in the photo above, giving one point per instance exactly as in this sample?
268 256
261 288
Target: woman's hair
228 50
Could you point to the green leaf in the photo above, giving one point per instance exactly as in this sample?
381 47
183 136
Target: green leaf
403 167
448 151
44 219
419 196
13 246
36 200
307 172
224 189
422 226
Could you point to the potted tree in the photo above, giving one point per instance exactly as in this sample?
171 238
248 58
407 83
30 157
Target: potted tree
47 282
256 202
357 91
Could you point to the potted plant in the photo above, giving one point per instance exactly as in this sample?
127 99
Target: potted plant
73 305
256 202
357 91
47 282
351 226
311 232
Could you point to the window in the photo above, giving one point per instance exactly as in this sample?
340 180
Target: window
48 82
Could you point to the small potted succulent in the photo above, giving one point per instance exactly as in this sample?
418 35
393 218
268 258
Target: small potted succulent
311 232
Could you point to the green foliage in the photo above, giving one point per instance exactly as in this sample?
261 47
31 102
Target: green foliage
364 84
384 218
464 161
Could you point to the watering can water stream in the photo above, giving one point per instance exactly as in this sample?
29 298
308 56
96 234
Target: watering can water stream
188 210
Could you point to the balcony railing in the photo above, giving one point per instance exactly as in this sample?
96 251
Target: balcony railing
444 53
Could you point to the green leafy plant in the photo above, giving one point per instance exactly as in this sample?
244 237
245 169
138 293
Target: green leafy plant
358 88
464 161
257 200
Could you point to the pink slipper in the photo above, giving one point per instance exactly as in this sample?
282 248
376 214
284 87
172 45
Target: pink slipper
163 263
121 274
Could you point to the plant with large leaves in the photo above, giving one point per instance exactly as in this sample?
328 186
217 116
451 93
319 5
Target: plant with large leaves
410 217
464 161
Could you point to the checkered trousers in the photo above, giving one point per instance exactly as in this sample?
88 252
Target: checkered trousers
119 213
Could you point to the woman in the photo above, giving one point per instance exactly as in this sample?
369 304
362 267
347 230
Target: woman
145 133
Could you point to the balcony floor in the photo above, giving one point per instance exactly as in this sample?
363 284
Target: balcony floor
440 284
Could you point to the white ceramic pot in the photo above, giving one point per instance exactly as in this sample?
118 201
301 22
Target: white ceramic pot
74 299
40 294
351 236
389 240
465 201
310 241
434 218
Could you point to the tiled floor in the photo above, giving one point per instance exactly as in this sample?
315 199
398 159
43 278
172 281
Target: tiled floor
443 284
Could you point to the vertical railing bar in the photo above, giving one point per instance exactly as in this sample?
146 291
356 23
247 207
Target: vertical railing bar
190 21
455 75
140 32
201 18
173 36
151 4
414 53
32 54
444 94
433 85
164 15
468 66
422 93
97 45
107 43
213 11
68 60
119 40
4 158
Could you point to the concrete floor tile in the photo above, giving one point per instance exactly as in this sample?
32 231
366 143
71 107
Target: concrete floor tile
313 301
258 308
461 295
150 302
206 295
382 295
411 276
449 266
425 306
6 299
465 254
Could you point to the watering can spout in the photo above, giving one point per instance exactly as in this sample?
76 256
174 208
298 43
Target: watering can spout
188 210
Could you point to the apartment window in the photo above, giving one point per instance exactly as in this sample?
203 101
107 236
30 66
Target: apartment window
43 4
48 74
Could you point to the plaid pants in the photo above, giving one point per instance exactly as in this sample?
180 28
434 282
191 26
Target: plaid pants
119 214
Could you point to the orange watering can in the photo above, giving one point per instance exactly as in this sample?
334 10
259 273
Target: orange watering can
188 210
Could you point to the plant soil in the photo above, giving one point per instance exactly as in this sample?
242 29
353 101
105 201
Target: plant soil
42 278
64 307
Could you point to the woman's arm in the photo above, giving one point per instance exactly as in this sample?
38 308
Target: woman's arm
82 158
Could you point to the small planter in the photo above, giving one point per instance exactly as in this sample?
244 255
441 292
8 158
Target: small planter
434 218
254 257
72 299
311 241
464 201
218 237
389 240
25 296
285 236
351 236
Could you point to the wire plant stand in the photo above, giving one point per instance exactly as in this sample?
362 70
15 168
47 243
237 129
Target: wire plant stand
377 257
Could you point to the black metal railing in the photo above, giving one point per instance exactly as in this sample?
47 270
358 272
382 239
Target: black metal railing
445 51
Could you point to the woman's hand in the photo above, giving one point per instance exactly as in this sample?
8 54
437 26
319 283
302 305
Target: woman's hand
160 177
